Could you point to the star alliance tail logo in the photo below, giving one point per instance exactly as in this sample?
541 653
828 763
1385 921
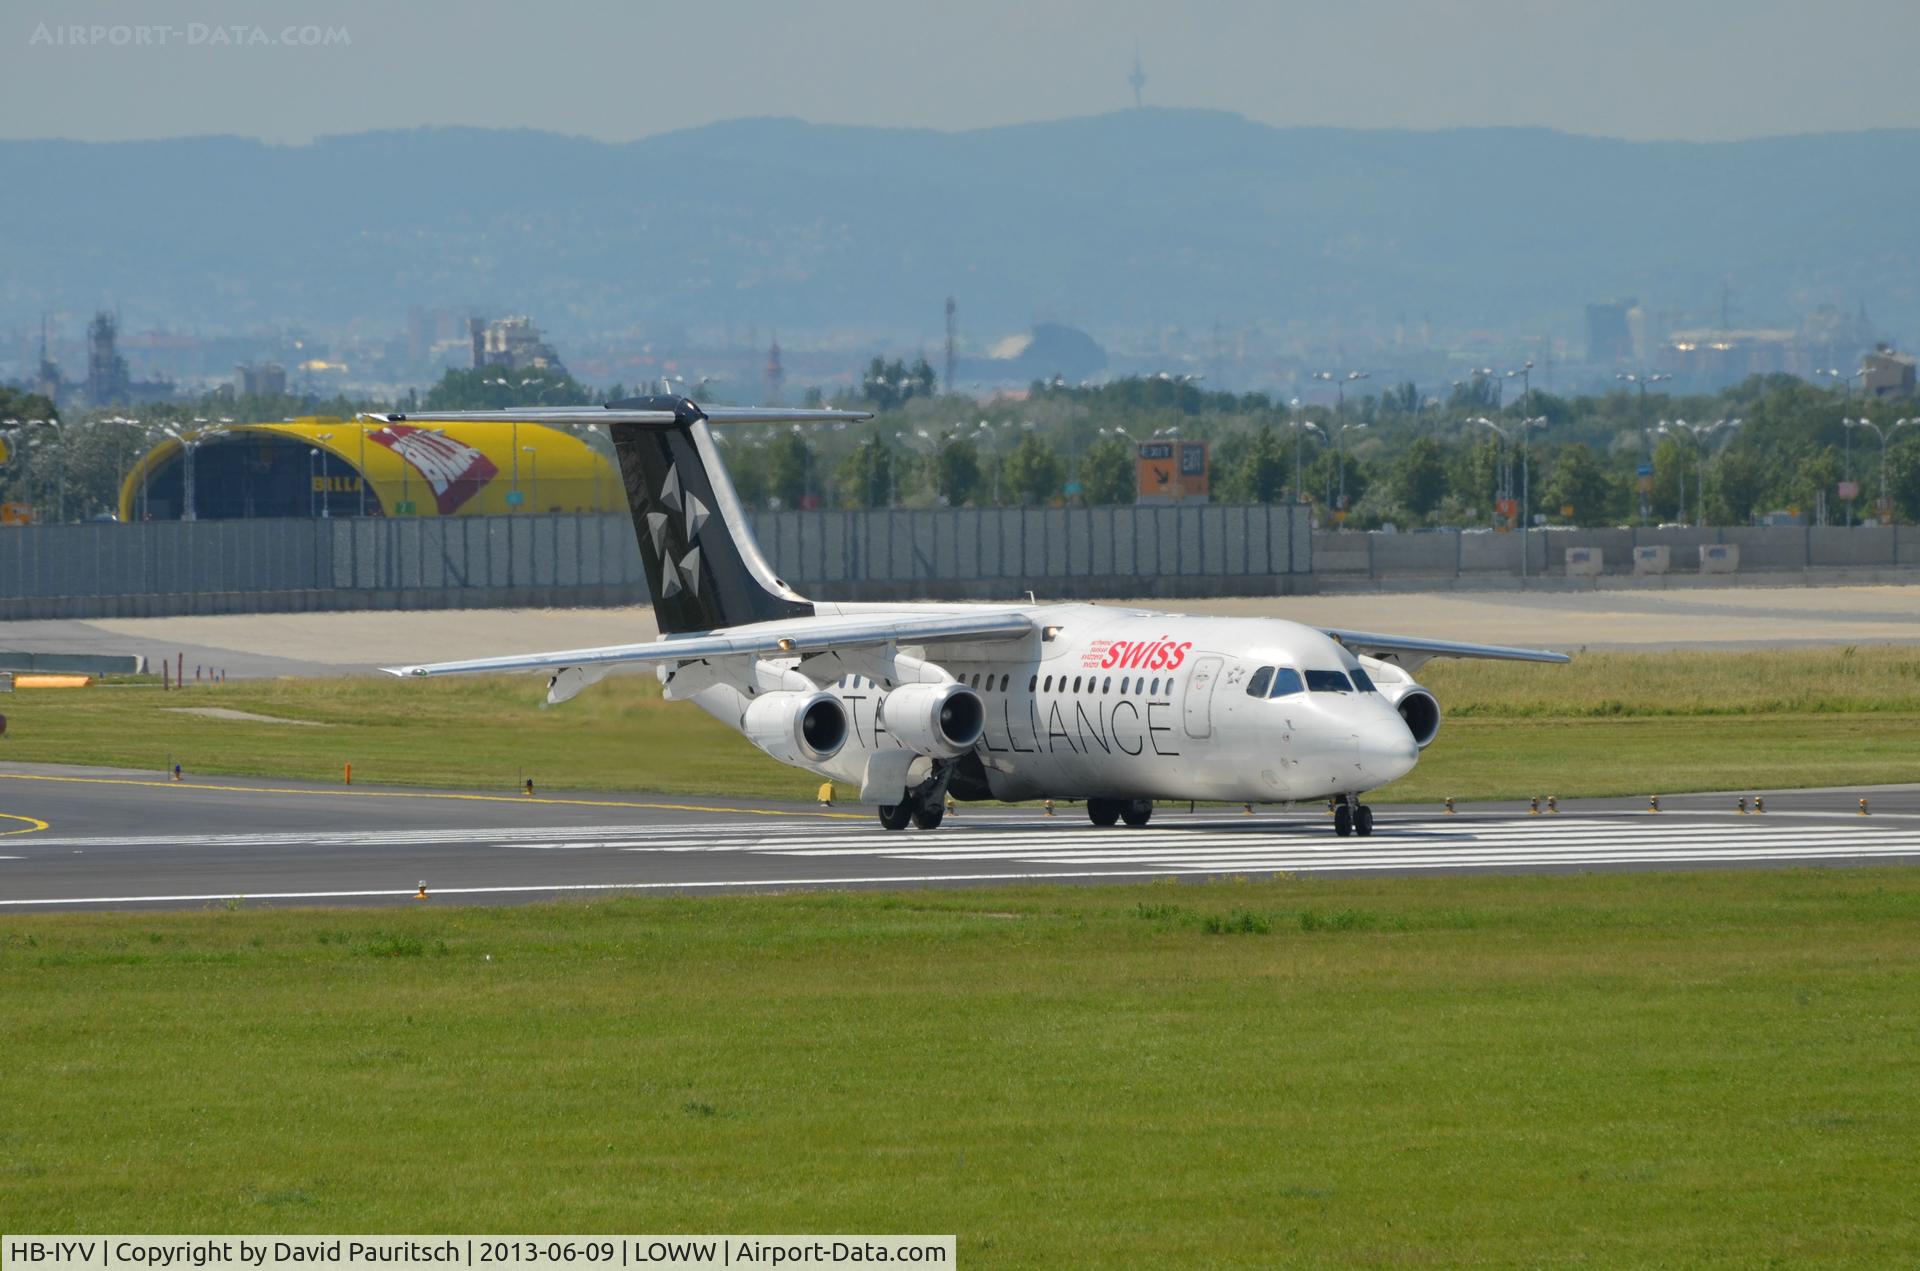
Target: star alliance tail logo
694 513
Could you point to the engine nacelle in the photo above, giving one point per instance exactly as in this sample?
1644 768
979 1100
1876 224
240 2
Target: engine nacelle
1418 707
942 720
796 728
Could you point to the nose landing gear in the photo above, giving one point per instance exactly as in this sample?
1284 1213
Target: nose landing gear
1350 816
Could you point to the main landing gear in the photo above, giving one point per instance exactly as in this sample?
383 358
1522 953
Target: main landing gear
1350 816
924 806
1105 812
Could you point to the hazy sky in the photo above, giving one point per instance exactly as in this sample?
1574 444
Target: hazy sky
1687 69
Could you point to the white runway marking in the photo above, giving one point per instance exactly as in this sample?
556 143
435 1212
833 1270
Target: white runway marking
1001 843
558 888
1310 846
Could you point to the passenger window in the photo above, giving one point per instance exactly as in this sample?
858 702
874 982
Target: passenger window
1286 682
1329 682
1360 680
1049 684
1033 682
1258 684
1156 686
1003 682
1076 684
1106 685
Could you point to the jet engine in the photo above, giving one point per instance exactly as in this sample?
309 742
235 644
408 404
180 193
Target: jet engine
1418 707
796 728
942 720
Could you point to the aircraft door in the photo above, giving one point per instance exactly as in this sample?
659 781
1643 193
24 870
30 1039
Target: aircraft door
1200 682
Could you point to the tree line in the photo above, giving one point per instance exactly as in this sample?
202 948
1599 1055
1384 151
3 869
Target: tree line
1393 456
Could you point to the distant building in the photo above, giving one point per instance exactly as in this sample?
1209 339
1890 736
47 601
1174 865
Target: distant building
1609 334
513 344
1884 373
107 376
1049 349
47 380
108 382
1711 358
776 373
261 379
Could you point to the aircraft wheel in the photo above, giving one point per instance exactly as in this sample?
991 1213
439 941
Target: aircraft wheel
1363 821
1136 812
928 813
894 816
1103 812
1342 819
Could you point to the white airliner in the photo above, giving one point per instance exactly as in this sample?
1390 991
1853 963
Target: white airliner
1116 707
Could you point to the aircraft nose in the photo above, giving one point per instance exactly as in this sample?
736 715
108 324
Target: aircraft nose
1386 754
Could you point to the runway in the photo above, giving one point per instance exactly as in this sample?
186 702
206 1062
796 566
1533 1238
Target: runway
75 839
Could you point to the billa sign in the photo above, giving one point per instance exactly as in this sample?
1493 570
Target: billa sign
1171 471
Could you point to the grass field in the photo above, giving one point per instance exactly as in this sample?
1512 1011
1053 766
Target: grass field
1616 1070
1610 723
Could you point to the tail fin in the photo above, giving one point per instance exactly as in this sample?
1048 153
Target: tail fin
704 569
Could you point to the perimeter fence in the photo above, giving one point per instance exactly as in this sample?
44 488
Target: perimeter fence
545 561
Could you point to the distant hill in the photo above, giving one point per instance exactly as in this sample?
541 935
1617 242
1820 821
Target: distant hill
1116 223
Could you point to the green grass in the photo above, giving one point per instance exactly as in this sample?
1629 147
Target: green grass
1616 1070
1610 723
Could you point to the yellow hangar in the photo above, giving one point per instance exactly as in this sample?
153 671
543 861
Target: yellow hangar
318 467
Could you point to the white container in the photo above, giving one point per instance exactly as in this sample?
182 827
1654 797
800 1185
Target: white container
1652 560
1719 558
1583 562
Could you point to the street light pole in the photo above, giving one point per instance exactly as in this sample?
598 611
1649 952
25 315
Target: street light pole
1526 383
1883 435
1526 483
1503 488
1342 463
1846 462
1301 427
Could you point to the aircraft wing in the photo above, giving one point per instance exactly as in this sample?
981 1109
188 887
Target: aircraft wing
767 639
1411 651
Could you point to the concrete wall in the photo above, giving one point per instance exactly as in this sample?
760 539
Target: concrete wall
1489 556
158 568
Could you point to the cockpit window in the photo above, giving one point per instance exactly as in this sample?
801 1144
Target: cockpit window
1258 682
1360 680
1286 682
1329 682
